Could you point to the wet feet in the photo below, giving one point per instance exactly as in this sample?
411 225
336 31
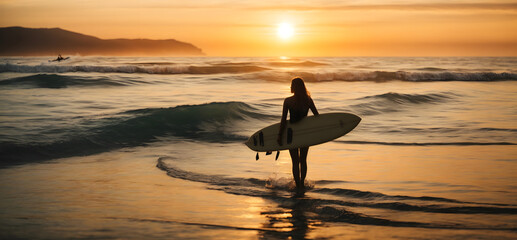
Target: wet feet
299 191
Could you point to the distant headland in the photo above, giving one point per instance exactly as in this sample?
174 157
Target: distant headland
19 41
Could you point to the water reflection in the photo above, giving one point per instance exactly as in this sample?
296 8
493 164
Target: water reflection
292 219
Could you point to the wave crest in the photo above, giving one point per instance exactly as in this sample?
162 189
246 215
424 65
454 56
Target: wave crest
209 122
401 98
269 71
396 102
153 69
296 64
384 76
60 81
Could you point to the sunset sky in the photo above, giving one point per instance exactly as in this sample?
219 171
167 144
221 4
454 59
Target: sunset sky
318 27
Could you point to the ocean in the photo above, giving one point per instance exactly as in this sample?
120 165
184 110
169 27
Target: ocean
152 148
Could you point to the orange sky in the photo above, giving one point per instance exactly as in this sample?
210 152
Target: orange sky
321 28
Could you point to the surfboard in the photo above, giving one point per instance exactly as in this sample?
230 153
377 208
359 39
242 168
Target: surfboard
312 130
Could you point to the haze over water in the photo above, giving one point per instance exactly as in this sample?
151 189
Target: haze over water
129 147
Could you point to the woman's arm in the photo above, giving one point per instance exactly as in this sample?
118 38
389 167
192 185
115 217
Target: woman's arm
313 107
282 123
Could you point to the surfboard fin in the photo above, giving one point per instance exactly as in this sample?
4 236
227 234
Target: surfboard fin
268 153
256 157
277 154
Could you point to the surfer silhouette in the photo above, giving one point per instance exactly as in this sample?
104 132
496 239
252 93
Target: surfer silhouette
298 107
59 57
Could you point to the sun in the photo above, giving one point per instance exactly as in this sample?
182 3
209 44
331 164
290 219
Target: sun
285 31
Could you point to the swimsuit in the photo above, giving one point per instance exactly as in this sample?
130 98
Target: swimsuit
298 114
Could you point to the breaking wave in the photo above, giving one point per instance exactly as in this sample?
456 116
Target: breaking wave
138 68
209 122
384 76
270 71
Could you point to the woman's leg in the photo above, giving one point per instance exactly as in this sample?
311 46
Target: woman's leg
295 157
303 164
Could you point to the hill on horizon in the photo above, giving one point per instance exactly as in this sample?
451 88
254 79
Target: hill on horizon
20 41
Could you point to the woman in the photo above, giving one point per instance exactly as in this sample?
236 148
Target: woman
298 106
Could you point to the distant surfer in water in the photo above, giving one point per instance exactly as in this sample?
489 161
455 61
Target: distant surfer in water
298 107
58 59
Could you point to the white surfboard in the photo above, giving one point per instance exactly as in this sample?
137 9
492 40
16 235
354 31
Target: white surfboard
309 131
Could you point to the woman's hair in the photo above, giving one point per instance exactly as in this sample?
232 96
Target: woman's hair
299 89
